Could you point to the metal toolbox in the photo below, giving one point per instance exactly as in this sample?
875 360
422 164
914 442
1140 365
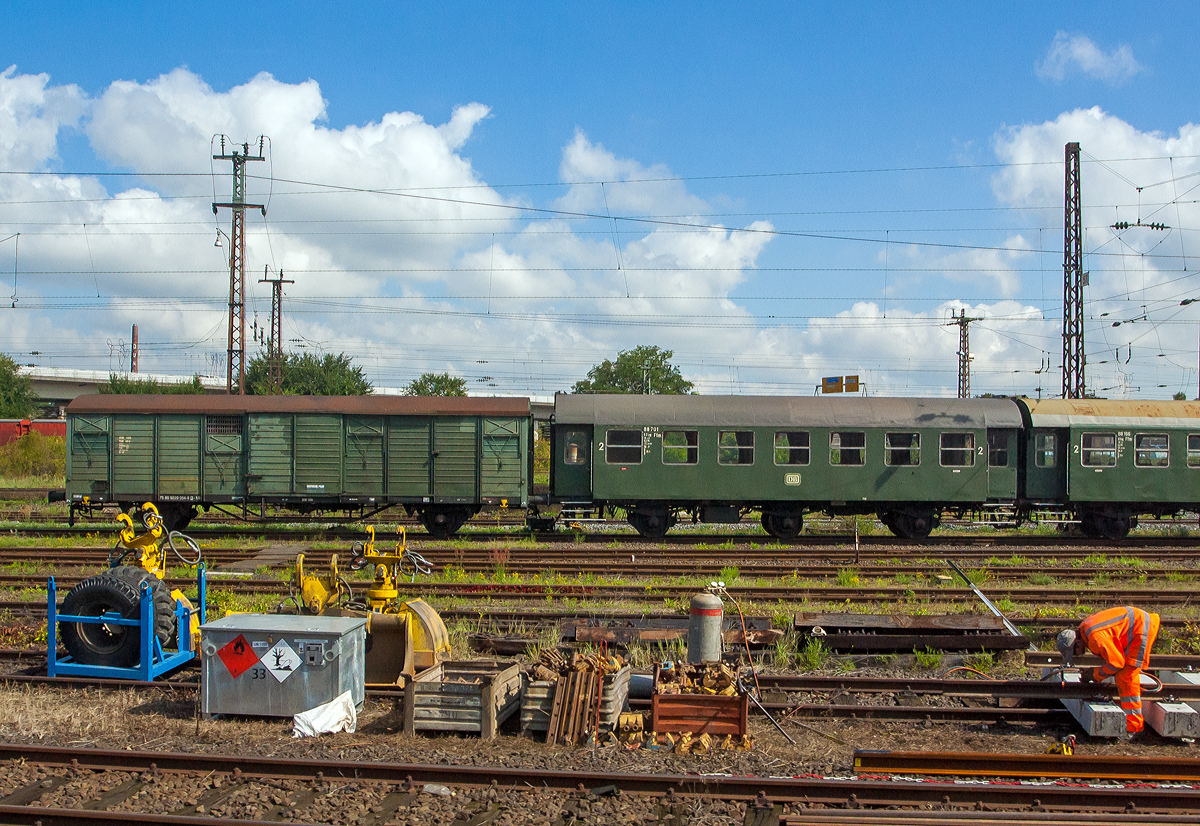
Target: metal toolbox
277 665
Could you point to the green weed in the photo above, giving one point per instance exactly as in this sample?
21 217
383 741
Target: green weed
784 652
848 578
729 574
983 661
813 656
928 658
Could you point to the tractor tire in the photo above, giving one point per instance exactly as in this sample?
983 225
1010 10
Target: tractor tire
164 603
118 591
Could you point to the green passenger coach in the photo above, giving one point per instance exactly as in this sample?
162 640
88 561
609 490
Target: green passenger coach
717 457
441 458
1110 461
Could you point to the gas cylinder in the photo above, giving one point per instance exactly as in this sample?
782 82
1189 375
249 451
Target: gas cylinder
705 619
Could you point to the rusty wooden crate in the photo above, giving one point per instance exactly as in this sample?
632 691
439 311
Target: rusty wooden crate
473 696
537 702
700 714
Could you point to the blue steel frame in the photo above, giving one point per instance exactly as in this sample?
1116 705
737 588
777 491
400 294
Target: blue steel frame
154 662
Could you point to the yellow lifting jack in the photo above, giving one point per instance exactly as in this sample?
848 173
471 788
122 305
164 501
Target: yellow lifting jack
403 637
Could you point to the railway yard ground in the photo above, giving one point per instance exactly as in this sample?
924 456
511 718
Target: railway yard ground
83 751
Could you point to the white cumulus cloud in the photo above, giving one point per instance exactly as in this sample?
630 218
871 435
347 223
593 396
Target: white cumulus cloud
1077 54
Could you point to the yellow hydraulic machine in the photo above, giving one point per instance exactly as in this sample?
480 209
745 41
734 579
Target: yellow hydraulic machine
152 556
403 638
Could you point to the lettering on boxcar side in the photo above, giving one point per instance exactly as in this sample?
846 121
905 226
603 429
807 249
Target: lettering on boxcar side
792 479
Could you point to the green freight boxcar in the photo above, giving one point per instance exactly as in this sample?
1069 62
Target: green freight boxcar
441 458
1102 462
717 457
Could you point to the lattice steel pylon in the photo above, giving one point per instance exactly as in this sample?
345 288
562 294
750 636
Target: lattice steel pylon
236 361
1073 357
964 353
275 342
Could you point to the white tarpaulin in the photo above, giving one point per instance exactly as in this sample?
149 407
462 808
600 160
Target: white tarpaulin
336 715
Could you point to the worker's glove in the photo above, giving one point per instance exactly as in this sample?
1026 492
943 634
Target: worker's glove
1087 676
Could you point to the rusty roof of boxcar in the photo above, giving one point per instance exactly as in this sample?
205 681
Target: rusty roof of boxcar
1112 412
799 411
352 405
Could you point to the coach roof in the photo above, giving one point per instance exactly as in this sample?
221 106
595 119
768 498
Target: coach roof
351 405
787 411
1112 413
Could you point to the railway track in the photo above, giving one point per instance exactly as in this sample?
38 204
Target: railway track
623 566
1157 598
622 534
398 783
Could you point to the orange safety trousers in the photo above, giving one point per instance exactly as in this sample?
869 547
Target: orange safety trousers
1122 637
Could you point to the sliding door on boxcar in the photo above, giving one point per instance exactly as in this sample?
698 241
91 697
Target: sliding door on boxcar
270 464
179 449
454 459
364 456
133 457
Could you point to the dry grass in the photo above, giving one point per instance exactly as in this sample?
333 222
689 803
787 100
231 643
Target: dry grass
29 711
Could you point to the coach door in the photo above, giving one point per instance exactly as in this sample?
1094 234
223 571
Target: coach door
572 463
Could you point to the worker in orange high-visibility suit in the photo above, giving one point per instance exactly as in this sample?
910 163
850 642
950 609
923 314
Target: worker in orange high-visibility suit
1122 637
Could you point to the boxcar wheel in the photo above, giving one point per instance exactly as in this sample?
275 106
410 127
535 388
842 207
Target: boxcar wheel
117 591
784 525
177 517
442 523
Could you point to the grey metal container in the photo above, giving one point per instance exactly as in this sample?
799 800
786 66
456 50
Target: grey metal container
277 665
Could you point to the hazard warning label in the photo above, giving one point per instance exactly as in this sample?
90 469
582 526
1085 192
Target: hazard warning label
281 660
238 656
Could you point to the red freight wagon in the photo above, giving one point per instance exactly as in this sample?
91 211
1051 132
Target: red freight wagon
13 429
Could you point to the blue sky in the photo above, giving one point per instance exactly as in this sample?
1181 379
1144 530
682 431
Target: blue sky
774 123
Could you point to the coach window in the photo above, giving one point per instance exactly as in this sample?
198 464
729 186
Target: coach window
848 447
1099 449
735 447
791 447
902 449
575 449
1045 450
958 449
1193 457
681 447
1151 450
624 447
997 448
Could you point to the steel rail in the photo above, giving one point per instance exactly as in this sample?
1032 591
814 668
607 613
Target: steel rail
895 817
800 593
811 790
53 816
954 714
753 535
984 764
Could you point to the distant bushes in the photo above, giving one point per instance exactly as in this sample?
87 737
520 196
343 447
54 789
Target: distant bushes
34 454
118 385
